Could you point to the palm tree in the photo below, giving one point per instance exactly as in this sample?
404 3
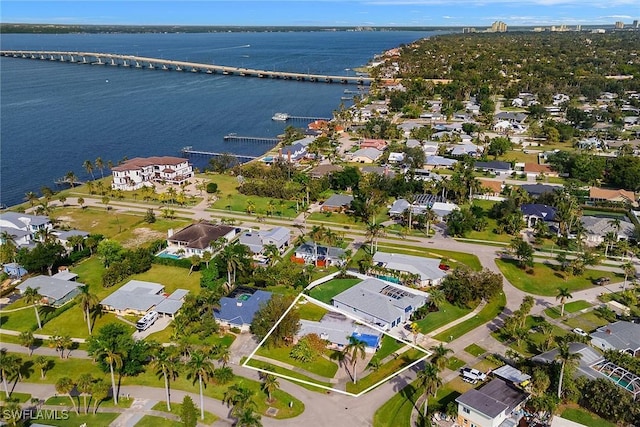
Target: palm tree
195 261
71 178
546 329
272 253
251 206
166 364
43 364
100 165
233 255
31 197
10 365
200 368
353 349
27 340
428 381
99 392
269 385
81 202
9 247
113 357
436 297
32 296
563 295
373 233
565 357
88 302
65 385
84 386
88 166
248 418
224 355
629 270
440 358
206 258
239 397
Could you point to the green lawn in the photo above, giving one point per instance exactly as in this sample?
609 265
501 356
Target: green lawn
99 419
123 402
387 346
176 409
488 313
15 396
319 366
585 417
310 311
171 277
545 280
153 421
454 363
446 314
475 350
72 324
96 220
397 410
236 202
328 290
570 307
534 340
469 260
586 321
282 371
384 371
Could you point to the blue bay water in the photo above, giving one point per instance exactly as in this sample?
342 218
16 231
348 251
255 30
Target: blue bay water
54 115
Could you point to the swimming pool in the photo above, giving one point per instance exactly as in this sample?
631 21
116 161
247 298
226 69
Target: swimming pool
389 279
165 254
370 340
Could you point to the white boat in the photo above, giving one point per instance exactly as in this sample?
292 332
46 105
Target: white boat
281 117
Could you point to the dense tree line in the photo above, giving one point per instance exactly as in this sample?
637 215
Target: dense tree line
465 287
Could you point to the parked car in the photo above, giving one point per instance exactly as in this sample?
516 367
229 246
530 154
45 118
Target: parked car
580 332
601 281
472 375
148 320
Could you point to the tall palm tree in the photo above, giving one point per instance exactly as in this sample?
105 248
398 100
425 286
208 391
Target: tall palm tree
27 340
100 165
240 398
99 392
195 261
32 296
81 202
272 253
354 349
71 178
248 418
440 358
88 301
200 368
10 365
373 233
31 197
269 385
629 270
84 386
565 357
437 297
88 166
166 363
113 357
563 295
65 385
43 364
429 381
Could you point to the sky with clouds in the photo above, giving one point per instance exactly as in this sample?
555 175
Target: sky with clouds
478 13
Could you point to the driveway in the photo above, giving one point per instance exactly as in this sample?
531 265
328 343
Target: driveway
161 324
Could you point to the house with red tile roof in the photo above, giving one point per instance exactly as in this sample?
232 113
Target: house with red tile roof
597 194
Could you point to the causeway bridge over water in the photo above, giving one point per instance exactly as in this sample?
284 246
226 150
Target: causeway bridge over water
142 62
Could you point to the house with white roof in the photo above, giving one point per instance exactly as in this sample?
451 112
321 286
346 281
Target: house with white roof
23 227
426 269
137 297
54 291
138 172
257 240
336 329
380 303
366 155
396 157
439 162
466 150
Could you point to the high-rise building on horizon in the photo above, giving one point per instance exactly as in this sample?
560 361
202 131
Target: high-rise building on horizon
619 25
635 24
498 27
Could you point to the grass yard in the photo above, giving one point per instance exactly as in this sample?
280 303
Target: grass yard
96 220
385 370
387 346
469 260
236 202
24 320
15 396
585 417
319 366
153 421
475 350
282 371
545 280
146 233
446 314
72 324
488 313
99 419
586 321
171 277
326 291
454 363
63 400
310 311
176 409
397 410
570 307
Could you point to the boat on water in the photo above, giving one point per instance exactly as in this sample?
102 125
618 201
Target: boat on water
346 98
280 117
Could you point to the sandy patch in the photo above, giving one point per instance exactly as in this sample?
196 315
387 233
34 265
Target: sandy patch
143 235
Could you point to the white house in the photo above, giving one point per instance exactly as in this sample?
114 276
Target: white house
138 172
257 240
198 238
495 403
23 227
366 155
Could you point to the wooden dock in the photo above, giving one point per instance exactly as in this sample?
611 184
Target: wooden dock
189 151
232 137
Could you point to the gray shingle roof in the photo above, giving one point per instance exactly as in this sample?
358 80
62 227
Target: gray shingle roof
135 295
20 220
494 398
588 357
338 201
50 287
620 335
600 226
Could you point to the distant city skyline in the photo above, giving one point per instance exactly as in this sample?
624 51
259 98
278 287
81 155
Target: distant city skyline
473 13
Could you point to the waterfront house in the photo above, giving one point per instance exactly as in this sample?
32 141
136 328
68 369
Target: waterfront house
337 203
257 240
494 404
426 270
293 153
195 239
239 308
380 303
54 291
138 172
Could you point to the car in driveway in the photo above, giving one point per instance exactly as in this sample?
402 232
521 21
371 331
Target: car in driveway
472 375
580 332
601 281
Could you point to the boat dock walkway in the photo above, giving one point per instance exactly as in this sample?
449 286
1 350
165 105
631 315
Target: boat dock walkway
239 138
189 151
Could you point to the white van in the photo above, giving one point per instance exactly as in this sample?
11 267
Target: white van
148 320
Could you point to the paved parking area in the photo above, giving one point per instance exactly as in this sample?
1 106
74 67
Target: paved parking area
158 326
